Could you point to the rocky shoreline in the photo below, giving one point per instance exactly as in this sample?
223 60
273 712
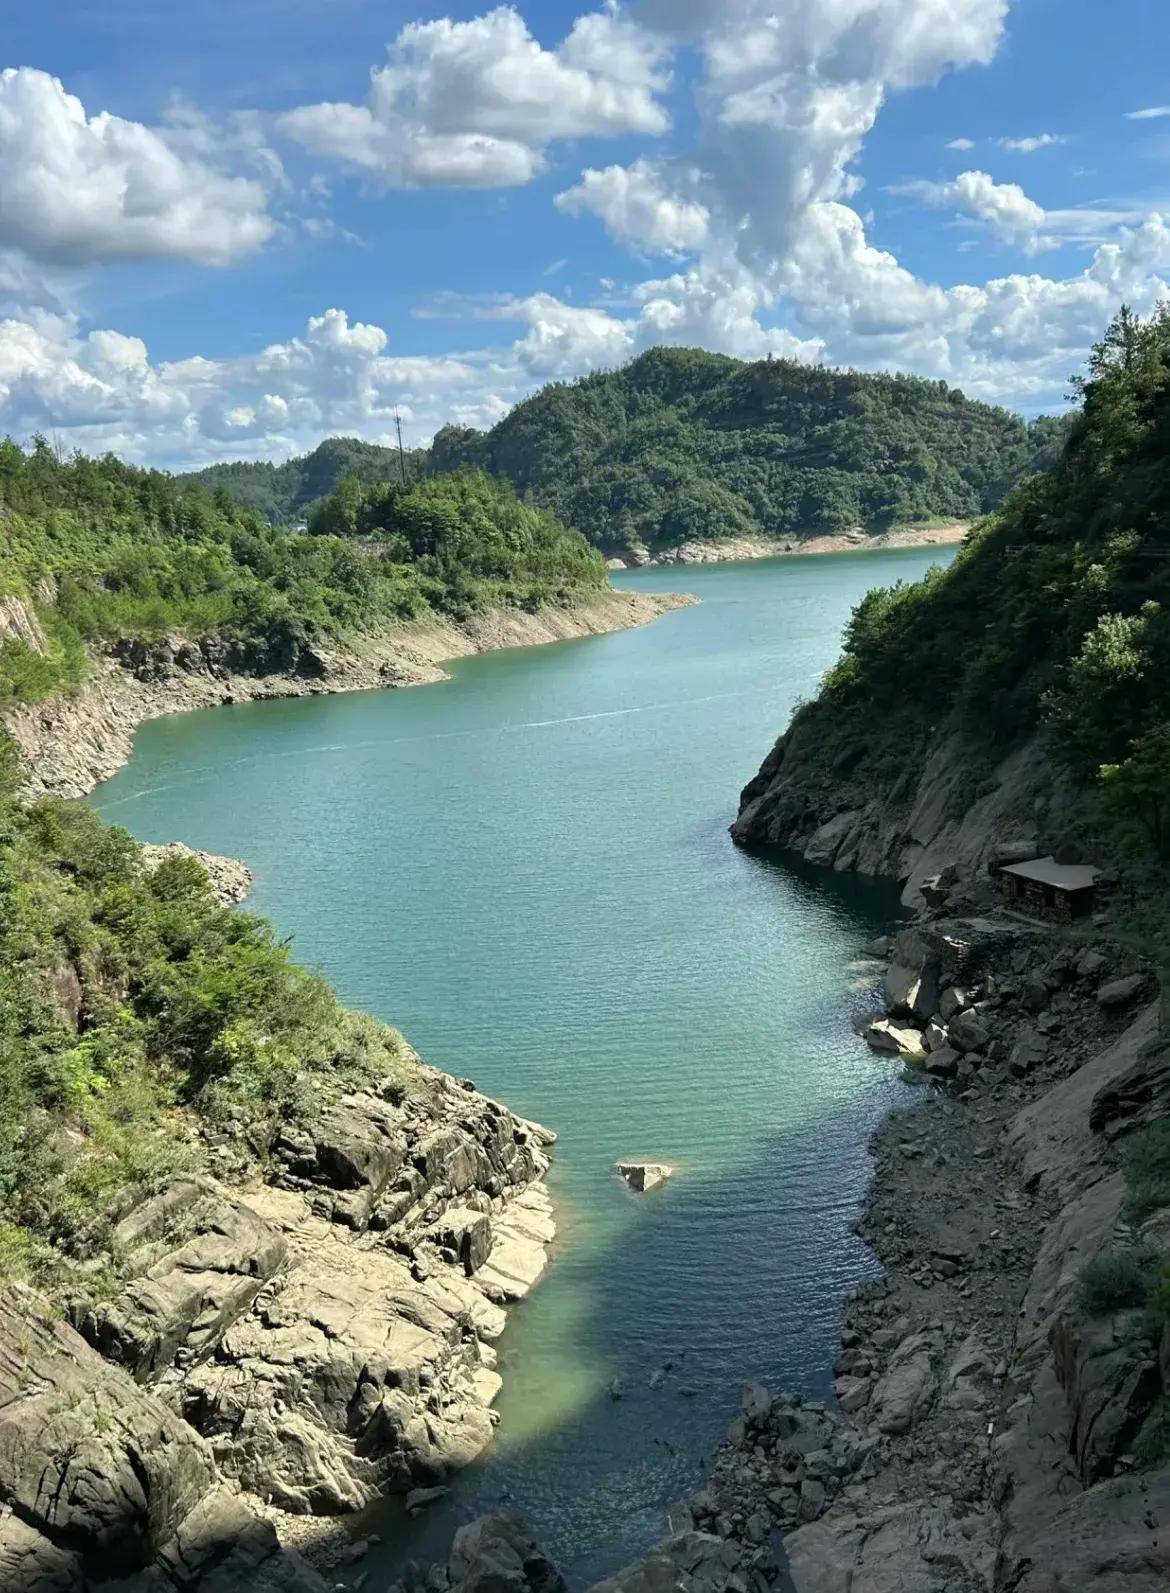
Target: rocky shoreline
282 1338
733 549
984 1422
72 743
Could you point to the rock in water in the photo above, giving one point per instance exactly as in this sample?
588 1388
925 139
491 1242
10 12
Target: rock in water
641 1176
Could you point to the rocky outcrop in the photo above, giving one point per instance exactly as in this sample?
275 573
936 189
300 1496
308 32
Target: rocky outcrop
496 1554
72 743
103 1483
288 1343
230 879
908 828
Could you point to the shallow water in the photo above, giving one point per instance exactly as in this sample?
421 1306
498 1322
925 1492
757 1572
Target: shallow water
528 870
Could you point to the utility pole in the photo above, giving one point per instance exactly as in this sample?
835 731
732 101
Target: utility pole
401 455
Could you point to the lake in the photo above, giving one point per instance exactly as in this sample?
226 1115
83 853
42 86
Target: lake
527 869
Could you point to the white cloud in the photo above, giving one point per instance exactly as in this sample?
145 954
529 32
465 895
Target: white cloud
962 144
1151 113
79 189
637 206
474 104
1004 207
1029 145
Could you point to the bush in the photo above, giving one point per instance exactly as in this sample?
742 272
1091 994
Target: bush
1118 1280
1147 1171
1151 1448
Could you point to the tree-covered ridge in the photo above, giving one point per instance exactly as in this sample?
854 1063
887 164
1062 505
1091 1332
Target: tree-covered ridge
102 552
286 492
1053 620
682 444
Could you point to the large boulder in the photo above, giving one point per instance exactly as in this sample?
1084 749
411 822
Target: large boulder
898 1039
906 1388
912 991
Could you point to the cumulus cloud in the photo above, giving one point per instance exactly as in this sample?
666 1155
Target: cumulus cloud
1151 113
474 104
962 144
1004 207
637 205
79 188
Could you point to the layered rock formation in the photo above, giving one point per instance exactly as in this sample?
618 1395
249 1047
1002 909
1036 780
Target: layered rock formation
249 1345
72 743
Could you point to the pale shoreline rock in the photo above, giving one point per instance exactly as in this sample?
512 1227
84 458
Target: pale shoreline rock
72 743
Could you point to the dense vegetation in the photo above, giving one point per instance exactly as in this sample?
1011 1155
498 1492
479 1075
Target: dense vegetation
133 1010
681 444
1053 619
105 552
285 493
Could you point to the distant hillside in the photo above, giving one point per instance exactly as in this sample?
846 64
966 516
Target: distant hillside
681 444
285 492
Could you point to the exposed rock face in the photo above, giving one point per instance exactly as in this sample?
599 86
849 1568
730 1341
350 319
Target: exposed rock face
72 743
230 879
910 829
102 1480
304 1342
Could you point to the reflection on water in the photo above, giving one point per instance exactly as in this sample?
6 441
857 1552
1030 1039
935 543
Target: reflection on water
527 869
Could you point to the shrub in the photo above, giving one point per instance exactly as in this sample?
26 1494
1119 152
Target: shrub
1117 1280
1151 1448
1147 1171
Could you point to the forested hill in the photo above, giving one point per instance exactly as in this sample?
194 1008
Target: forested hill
1030 679
682 444
284 493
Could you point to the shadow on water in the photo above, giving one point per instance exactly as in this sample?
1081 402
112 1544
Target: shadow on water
764 1245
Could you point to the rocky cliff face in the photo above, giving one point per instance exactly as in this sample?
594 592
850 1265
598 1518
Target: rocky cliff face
307 1328
72 743
931 814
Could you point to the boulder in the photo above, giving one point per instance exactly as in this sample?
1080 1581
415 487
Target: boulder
906 1388
942 1063
1118 993
952 1001
643 1176
885 1035
912 992
967 1031
497 1554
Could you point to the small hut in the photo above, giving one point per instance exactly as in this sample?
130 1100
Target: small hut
1044 888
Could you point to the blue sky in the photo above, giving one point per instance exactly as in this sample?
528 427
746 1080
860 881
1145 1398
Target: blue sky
956 187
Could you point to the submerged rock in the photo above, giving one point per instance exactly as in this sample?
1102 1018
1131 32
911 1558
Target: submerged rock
641 1176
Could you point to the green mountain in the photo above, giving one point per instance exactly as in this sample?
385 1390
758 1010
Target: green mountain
286 492
682 444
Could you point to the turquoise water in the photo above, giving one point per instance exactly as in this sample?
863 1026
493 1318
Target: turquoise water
527 869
